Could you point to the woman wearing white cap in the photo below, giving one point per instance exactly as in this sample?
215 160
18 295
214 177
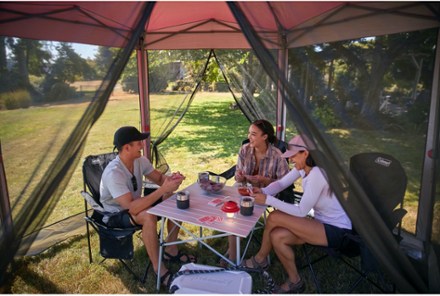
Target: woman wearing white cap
289 225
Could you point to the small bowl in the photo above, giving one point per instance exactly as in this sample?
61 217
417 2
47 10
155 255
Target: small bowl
212 184
243 191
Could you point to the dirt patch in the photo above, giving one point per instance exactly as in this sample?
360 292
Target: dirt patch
93 85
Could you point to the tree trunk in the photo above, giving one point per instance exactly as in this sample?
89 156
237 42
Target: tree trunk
3 64
331 74
374 86
22 64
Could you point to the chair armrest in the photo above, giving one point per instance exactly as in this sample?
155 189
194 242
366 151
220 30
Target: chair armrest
91 201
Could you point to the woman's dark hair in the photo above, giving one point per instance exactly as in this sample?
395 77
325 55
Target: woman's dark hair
310 161
267 128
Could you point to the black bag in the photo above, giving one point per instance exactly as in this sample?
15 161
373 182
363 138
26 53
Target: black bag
116 243
120 219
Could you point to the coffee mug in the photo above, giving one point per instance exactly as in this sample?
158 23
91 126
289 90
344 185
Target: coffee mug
247 205
182 199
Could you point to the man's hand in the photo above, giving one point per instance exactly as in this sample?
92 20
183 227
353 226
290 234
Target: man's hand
178 176
172 183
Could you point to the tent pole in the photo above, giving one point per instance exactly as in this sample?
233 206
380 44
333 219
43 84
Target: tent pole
144 98
428 185
281 107
5 206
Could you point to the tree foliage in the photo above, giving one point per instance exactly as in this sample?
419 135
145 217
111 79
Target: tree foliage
351 75
50 68
359 73
104 59
69 66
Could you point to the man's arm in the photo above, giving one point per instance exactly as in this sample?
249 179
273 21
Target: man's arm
156 177
135 206
167 185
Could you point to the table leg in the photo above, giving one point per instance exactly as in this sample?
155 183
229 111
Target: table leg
200 235
238 257
161 241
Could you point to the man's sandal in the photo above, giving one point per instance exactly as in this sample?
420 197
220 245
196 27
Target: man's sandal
253 264
179 258
165 279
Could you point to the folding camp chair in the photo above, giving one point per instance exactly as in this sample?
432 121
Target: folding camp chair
384 181
115 243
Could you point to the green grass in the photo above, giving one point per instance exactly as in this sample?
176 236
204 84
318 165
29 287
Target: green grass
208 138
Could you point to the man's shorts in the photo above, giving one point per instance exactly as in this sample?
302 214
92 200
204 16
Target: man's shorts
123 219
335 235
120 220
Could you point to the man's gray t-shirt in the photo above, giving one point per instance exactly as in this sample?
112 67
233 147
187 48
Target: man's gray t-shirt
116 181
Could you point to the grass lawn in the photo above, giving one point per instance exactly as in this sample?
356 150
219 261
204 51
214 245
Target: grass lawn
208 138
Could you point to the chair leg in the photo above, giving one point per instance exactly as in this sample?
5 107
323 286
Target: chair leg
130 270
144 278
309 264
355 284
88 243
138 278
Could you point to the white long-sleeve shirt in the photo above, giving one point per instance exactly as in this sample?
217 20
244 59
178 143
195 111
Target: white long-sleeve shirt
317 196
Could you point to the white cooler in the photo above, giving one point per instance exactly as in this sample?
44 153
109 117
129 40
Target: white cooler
224 282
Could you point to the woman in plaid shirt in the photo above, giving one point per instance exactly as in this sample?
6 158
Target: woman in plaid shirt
259 163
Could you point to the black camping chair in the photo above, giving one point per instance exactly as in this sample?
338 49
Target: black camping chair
115 243
384 181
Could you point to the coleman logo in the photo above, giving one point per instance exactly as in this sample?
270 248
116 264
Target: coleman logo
383 161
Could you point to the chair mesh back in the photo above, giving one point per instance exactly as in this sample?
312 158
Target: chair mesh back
384 181
281 145
93 167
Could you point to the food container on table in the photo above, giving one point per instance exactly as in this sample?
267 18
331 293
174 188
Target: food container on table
211 183
230 208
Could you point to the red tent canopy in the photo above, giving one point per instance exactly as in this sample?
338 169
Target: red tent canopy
193 25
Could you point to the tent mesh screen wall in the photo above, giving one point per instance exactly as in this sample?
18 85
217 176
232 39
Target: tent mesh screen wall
366 94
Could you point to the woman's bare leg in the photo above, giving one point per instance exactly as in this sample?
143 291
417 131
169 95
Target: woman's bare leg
305 229
284 251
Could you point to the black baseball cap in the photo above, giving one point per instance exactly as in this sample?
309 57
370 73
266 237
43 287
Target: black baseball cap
127 134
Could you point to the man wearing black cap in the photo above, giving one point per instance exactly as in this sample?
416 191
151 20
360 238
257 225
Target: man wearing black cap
121 189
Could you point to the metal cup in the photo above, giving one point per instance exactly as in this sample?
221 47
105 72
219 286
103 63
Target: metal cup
247 205
182 199
203 177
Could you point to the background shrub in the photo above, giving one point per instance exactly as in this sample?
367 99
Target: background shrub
60 91
15 99
326 115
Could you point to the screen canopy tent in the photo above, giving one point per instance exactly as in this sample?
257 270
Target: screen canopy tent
261 26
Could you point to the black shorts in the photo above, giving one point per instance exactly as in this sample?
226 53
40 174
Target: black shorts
120 220
335 235
123 219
